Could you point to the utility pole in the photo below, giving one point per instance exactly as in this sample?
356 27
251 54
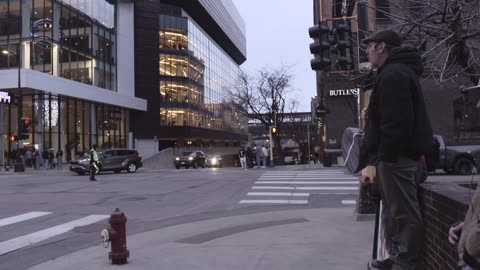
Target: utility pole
308 138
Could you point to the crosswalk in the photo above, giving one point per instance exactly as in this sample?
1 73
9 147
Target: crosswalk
41 224
295 187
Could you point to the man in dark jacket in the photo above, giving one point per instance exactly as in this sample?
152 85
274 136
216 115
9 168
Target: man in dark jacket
398 132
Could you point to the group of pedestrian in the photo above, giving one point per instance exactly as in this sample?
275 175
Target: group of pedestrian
48 156
254 156
31 158
397 134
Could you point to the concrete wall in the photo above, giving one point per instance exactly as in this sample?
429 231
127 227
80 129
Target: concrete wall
146 147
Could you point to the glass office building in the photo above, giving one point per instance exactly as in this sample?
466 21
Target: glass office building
59 76
195 75
198 64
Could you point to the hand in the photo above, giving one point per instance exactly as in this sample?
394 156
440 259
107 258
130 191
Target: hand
364 114
454 233
365 180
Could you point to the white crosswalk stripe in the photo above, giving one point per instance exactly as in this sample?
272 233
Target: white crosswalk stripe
34 237
295 187
22 217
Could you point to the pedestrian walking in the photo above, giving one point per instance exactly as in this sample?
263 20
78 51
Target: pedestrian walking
264 156
258 155
93 162
243 158
397 133
28 158
45 159
59 157
51 158
13 158
267 158
249 157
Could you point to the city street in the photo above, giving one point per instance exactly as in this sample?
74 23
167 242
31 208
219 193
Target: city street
48 214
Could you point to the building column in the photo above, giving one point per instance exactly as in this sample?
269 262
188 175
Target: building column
26 34
2 146
56 36
93 125
40 123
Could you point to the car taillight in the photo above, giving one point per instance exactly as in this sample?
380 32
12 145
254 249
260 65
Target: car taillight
140 156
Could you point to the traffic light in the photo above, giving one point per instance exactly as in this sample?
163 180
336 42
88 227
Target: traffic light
12 138
343 45
274 130
321 47
26 126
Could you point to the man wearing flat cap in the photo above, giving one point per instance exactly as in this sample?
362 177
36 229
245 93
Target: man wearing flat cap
397 133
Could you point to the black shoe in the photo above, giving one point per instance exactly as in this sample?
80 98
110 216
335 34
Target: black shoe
380 265
93 179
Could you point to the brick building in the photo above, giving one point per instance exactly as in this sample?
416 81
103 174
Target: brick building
452 114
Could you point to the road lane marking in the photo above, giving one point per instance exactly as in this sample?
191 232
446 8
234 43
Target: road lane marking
276 201
349 202
22 217
305 188
30 239
277 194
305 178
309 182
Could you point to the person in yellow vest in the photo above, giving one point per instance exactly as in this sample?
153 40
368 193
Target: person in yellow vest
93 162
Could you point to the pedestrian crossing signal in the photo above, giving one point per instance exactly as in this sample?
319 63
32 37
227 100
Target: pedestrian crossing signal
26 126
274 130
12 138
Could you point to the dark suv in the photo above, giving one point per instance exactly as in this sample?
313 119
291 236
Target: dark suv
188 159
110 160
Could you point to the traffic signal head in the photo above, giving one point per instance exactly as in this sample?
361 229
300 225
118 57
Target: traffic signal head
26 126
321 47
343 45
274 130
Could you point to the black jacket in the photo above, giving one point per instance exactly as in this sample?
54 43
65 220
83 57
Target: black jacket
398 124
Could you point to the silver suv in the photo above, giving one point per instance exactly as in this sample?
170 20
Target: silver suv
110 160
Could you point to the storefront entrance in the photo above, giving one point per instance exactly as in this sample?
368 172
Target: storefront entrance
47 122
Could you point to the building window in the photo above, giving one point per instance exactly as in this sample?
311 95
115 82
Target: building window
382 10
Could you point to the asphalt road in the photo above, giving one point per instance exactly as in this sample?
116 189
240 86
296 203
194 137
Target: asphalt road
48 214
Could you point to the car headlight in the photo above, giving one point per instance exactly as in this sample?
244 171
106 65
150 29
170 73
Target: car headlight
190 158
214 161
84 161
177 158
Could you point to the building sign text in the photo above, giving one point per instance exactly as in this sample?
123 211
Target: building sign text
344 92
4 97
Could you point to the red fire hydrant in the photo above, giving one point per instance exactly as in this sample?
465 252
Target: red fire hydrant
117 235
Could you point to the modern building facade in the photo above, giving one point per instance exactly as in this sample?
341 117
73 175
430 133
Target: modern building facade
187 58
66 75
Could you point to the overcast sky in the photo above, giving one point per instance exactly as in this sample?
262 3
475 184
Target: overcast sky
277 33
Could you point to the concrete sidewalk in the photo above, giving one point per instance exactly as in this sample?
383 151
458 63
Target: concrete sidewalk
327 239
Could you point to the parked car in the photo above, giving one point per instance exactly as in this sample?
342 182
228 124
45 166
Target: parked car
187 159
115 160
214 161
459 159
289 160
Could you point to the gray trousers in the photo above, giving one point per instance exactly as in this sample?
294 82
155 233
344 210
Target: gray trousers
404 222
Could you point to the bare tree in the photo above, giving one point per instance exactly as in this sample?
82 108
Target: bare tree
447 31
264 97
